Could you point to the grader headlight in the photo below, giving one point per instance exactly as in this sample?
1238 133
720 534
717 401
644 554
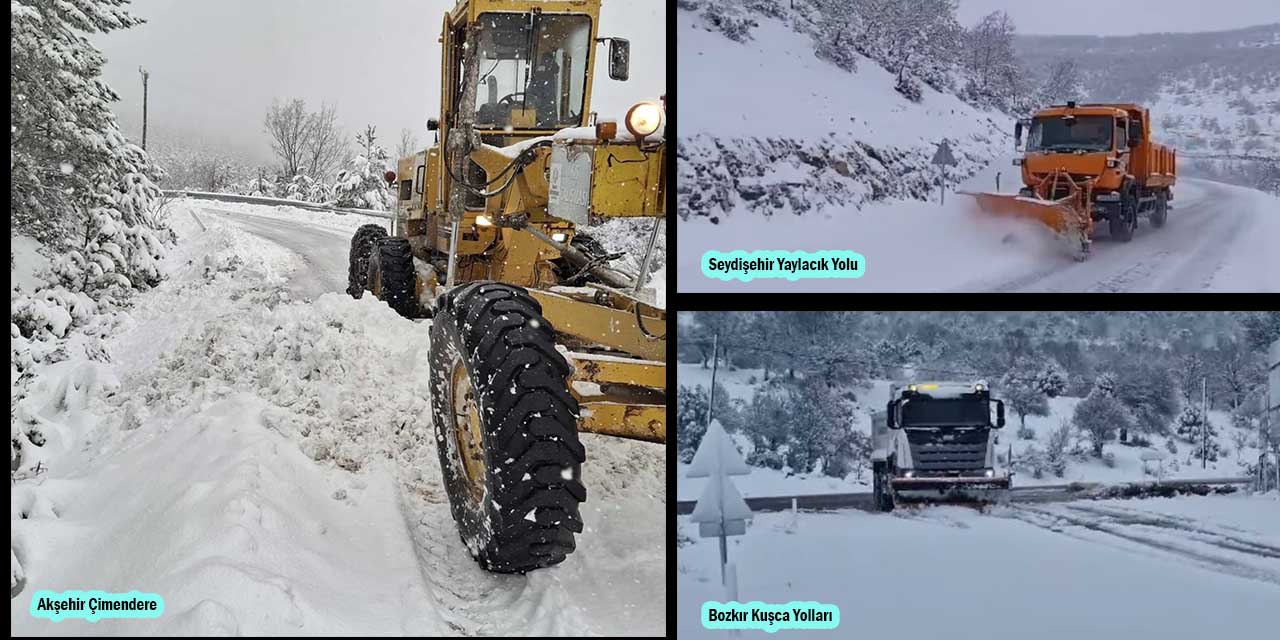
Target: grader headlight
644 119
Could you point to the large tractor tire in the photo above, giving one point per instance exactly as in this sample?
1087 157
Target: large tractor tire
1123 223
506 428
1161 213
390 277
358 264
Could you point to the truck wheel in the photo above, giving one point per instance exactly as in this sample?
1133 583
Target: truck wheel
391 275
1124 220
1161 212
882 490
358 263
506 428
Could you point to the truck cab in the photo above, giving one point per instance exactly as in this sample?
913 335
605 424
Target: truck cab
937 440
1106 149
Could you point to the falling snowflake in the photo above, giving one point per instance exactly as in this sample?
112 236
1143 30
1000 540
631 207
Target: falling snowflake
67 169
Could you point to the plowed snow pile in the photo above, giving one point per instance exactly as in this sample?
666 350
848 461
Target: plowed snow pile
269 467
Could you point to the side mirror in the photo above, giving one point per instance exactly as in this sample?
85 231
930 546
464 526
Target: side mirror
433 124
619 59
1017 134
999 414
1134 142
890 419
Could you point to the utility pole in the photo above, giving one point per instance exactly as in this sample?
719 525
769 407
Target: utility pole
715 360
1204 428
146 75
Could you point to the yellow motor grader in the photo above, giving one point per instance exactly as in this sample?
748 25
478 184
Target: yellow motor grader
535 334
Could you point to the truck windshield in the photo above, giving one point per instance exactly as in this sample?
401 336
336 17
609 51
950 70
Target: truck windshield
930 412
533 70
1088 133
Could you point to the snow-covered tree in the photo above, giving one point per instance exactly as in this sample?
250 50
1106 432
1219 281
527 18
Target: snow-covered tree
1062 82
76 184
1099 415
1020 389
1192 426
1051 380
767 424
362 185
691 415
408 144
816 424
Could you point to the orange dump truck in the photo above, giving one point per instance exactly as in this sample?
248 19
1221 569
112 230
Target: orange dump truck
1090 163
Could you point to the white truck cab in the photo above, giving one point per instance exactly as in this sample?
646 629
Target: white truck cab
937 440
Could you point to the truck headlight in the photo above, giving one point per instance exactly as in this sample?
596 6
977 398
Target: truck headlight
1112 163
644 119
909 474
559 237
484 221
991 473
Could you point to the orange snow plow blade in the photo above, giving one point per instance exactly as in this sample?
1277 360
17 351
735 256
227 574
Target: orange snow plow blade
1067 215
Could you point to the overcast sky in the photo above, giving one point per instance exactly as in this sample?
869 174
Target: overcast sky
217 64
1124 17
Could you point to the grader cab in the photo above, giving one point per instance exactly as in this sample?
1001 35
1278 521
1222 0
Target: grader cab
535 334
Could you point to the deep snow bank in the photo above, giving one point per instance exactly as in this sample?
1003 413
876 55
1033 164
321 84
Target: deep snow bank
269 467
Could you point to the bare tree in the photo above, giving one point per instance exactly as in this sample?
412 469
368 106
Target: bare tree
991 46
289 127
1062 82
326 145
408 144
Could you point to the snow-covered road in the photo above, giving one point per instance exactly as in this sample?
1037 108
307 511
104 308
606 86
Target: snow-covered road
1190 567
1215 231
1218 238
256 448
324 251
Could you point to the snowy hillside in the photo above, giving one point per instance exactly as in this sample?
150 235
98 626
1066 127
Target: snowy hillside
777 130
742 384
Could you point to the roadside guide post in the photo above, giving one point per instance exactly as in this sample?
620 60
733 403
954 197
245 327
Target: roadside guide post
943 158
720 510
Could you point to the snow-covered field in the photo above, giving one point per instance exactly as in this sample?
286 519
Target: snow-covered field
1129 466
268 466
1181 568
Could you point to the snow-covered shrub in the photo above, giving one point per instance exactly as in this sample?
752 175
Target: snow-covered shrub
1026 433
1171 446
1109 459
1187 425
909 88
362 185
1032 459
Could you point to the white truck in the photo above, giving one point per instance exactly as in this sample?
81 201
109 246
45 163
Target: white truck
936 440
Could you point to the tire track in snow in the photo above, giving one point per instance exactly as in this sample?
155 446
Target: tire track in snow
1184 255
1117 536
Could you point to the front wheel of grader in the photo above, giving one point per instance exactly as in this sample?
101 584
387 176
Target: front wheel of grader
506 428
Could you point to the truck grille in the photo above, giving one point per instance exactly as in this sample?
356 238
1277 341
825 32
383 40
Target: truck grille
948 449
